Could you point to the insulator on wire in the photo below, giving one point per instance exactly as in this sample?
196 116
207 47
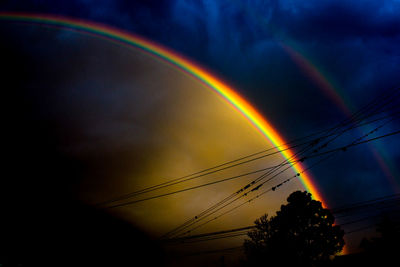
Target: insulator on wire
256 188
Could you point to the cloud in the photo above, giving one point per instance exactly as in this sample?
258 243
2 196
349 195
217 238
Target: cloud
340 20
353 43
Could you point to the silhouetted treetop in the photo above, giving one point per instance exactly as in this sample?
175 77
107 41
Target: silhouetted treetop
302 232
385 248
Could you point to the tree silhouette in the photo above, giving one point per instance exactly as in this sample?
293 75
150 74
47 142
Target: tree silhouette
385 248
301 233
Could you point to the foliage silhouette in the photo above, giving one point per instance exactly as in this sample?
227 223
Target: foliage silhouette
301 233
385 248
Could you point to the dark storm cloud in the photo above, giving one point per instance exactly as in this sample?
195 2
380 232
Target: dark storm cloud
355 44
340 20
219 32
76 99
241 20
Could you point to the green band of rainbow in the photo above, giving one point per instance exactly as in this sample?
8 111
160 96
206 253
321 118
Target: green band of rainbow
183 64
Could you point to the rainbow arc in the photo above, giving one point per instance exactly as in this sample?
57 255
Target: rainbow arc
183 64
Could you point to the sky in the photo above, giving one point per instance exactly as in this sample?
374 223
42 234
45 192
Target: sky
270 51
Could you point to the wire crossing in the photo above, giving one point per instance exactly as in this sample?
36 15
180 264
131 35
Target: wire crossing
343 148
382 202
356 116
228 178
386 99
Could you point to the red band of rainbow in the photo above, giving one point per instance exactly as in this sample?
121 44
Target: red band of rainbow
183 64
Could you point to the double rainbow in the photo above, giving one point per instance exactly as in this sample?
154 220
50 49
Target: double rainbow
188 67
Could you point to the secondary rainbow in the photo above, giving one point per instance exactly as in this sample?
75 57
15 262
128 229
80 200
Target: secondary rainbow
339 97
183 64
324 83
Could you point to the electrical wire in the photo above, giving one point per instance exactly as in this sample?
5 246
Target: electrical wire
214 169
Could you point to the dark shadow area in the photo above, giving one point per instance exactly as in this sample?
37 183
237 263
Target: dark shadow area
42 221
378 251
74 235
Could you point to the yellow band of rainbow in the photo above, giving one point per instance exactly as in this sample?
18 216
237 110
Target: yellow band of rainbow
183 64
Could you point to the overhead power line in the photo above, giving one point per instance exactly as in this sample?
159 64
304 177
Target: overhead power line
196 220
342 148
363 204
317 145
218 207
237 162
244 230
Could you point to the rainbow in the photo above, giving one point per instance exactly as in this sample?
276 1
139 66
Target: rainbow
328 87
183 64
